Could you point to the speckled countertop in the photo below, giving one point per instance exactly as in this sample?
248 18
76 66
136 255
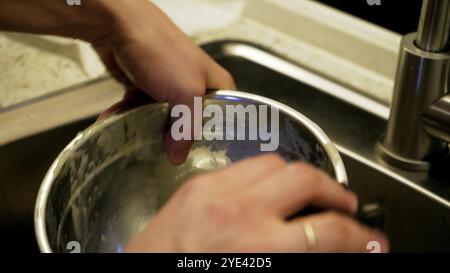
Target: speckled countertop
34 65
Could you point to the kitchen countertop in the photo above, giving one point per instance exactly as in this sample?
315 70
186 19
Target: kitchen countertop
38 65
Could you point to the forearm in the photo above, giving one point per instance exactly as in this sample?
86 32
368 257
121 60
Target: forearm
89 21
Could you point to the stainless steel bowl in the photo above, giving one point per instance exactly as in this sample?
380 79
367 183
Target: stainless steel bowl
108 182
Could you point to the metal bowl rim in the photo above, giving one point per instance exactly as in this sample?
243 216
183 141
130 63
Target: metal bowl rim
47 183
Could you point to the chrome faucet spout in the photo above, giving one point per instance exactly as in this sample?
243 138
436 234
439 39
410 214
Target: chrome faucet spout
434 26
419 123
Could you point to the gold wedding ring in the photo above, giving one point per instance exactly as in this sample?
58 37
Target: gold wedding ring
310 236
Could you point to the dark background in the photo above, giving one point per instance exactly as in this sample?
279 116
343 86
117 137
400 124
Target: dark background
397 15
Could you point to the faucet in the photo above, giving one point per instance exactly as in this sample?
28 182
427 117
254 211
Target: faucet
418 129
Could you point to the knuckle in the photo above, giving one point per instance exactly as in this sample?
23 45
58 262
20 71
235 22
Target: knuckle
197 88
342 225
265 160
295 167
301 167
310 176
333 217
193 185
191 83
273 158
313 175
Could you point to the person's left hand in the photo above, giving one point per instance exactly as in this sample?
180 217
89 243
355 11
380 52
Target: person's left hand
248 207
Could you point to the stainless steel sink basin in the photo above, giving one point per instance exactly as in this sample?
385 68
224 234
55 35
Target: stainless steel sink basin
416 206
23 164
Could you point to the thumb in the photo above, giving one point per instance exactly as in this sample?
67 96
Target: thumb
178 150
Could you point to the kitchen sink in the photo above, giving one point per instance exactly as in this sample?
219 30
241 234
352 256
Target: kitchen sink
23 165
415 206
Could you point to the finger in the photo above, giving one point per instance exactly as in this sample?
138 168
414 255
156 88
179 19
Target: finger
333 232
300 185
120 77
218 78
132 99
113 110
247 171
178 150
113 68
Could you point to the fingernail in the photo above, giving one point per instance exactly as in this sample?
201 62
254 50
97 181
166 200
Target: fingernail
175 151
175 157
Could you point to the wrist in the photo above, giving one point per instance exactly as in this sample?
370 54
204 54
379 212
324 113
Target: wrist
92 21
110 19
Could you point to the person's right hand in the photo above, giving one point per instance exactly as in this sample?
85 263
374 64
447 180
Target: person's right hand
139 45
245 207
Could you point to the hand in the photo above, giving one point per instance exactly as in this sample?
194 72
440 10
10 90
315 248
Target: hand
243 208
147 52
138 44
